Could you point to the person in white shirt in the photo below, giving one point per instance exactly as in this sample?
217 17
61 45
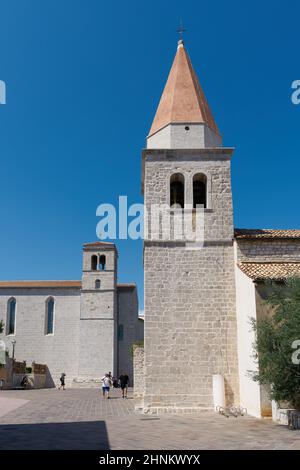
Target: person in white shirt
106 384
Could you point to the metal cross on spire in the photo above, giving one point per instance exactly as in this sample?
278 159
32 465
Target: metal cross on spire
181 30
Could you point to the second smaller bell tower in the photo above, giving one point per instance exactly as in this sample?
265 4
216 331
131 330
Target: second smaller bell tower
98 311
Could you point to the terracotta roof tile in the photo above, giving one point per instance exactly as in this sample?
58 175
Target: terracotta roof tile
53 284
272 271
100 245
30 284
266 233
183 100
126 286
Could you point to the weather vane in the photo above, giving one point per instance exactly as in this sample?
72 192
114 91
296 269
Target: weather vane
181 30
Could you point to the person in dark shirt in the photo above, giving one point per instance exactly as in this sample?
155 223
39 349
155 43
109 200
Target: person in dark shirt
124 382
62 381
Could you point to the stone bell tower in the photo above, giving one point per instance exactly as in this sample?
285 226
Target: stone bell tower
98 312
190 317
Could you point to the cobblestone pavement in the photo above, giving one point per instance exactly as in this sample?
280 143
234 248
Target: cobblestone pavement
82 419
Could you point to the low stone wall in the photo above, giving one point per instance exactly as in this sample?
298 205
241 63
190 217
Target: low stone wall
17 379
266 250
13 373
138 371
6 374
38 380
286 416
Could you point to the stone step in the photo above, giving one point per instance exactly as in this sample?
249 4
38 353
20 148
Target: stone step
86 383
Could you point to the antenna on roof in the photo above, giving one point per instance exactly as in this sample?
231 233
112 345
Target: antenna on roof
180 31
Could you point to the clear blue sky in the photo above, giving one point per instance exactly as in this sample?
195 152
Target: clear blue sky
83 82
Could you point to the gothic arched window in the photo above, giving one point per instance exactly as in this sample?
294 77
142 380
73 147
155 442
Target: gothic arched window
49 316
199 190
177 190
11 316
97 284
94 261
102 262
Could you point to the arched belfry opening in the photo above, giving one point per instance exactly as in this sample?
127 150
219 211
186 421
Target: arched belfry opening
94 262
102 262
177 190
199 190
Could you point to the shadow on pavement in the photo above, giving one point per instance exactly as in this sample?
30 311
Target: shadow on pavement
91 435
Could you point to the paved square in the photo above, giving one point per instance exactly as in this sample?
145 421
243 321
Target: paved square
82 419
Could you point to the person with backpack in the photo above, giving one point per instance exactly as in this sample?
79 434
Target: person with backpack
124 382
62 381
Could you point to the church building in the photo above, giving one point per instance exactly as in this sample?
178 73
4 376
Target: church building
84 328
198 302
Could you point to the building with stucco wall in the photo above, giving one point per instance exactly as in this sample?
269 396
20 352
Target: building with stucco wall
83 328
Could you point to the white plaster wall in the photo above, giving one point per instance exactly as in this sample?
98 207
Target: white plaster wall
246 309
175 136
161 139
58 351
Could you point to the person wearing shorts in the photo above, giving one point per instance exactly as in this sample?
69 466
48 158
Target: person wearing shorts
124 382
106 384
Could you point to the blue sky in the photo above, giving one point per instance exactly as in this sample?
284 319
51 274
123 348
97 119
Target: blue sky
83 81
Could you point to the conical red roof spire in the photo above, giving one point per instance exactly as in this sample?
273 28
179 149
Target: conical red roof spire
183 100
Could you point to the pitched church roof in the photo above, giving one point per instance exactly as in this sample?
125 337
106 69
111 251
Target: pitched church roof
183 100
45 284
270 271
53 284
251 234
105 245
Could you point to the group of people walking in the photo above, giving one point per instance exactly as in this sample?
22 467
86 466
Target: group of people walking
109 381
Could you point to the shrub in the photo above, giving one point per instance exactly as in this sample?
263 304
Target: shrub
274 348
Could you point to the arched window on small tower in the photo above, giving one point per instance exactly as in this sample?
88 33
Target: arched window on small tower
94 261
199 190
102 262
177 190
49 316
11 316
97 284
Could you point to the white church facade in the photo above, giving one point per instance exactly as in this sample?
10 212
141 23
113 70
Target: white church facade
84 328
198 303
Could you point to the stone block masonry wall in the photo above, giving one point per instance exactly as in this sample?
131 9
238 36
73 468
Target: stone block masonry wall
190 308
138 372
160 165
268 250
98 318
190 326
128 329
98 322
58 351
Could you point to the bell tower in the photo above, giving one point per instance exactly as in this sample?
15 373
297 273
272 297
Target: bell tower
190 319
98 311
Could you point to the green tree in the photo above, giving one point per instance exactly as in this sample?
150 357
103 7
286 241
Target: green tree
1 326
276 347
